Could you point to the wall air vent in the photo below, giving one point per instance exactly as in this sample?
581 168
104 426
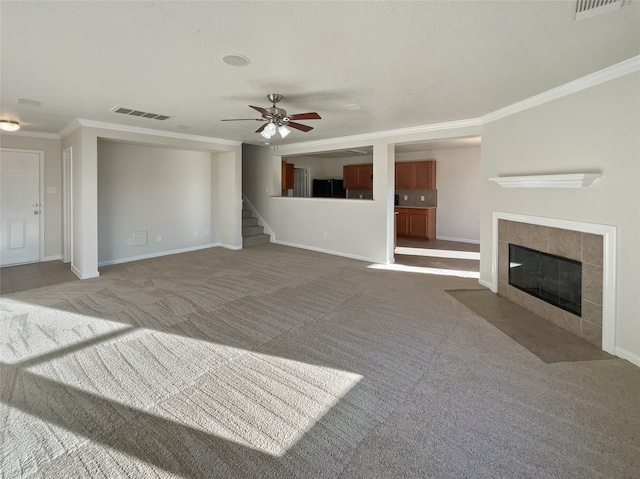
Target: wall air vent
591 8
142 114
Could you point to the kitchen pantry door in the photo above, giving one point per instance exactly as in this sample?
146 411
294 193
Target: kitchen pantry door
19 206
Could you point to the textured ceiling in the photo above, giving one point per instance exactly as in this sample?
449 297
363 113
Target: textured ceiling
405 63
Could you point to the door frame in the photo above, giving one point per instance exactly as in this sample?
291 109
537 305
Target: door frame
307 180
67 202
40 154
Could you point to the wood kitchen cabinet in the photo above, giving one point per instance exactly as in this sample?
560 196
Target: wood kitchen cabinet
416 222
287 175
402 222
417 175
357 177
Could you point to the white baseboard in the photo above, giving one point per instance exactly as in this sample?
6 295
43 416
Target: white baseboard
79 274
229 246
629 356
459 240
157 254
53 257
322 250
486 284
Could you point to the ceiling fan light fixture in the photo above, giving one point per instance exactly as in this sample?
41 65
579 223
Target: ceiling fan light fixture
265 134
270 129
9 125
284 131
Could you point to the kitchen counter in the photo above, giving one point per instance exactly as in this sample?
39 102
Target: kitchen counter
417 207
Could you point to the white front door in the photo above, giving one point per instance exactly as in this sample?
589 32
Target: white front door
19 207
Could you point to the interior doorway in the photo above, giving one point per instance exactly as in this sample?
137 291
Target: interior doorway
301 182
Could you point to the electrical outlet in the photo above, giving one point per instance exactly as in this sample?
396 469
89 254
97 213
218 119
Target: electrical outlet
324 235
422 198
360 196
406 197
206 232
129 242
195 233
159 238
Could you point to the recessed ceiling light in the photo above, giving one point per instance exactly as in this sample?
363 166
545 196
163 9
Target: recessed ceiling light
236 60
353 107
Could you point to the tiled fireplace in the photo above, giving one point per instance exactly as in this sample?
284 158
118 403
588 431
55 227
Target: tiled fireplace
585 247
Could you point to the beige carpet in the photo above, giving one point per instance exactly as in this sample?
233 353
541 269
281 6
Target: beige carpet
274 362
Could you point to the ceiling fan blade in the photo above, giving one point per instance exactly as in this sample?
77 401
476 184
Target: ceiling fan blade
299 126
243 119
260 109
306 116
262 128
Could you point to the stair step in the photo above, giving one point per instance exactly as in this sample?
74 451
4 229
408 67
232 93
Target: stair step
247 213
252 230
249 222
255 240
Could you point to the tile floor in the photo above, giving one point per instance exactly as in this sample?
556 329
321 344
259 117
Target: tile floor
34 275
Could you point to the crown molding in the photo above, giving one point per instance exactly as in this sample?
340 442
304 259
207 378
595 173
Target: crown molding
32 134
607 74
70 128
81 122
413 130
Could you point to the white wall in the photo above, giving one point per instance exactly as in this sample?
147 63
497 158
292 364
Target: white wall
594 130
52 202
163 191
83 137
459 192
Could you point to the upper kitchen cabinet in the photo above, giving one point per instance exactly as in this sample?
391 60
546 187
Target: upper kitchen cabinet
358 177
417 175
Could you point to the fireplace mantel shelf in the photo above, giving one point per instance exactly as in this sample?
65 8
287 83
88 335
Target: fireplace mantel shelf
569 180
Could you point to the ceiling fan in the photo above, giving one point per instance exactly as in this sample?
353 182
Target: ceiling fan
277 119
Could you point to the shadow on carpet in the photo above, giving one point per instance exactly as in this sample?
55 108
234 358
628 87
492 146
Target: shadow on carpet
549 342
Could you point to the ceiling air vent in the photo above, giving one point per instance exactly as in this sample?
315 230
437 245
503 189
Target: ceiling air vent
143 114
591 8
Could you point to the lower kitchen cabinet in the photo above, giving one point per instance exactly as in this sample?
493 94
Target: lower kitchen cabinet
416 222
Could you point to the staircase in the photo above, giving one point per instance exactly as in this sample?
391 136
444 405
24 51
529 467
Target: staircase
252 233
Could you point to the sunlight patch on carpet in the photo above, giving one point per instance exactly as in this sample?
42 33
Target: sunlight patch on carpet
422 270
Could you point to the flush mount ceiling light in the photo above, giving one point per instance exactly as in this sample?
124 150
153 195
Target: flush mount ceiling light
236 60
9 125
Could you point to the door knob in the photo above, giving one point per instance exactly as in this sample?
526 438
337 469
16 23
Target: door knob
36 212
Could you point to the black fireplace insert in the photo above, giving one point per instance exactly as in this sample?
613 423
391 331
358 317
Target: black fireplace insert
551 278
